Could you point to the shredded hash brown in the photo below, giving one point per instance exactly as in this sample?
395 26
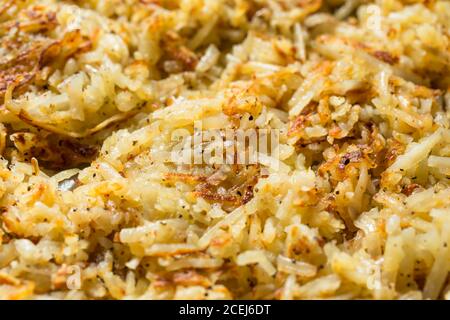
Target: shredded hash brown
357 206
